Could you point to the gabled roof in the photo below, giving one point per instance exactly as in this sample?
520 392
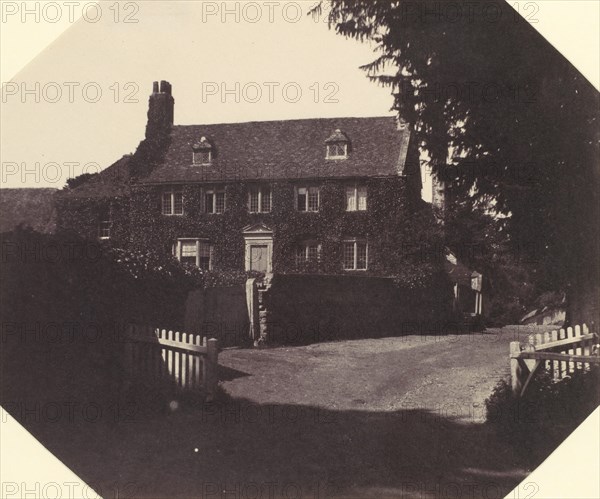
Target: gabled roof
337 136
284 150
110 182
202 144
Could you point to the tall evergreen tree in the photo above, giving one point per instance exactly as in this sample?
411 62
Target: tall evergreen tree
507 121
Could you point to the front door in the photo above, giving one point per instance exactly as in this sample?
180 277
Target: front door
258 240
259 257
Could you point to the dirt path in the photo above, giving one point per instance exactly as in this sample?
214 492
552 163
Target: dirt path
452 375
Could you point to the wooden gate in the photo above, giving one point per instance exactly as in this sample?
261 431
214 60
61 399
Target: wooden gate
188 361
561 352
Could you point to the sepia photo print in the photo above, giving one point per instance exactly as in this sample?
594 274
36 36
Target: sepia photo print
300 249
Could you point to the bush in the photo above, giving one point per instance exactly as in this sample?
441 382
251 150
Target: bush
65 305
224 278
547 413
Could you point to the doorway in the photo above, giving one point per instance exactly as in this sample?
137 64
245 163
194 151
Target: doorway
259 248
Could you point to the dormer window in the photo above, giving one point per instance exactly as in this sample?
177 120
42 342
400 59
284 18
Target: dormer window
337 151
202 157
202 152
337 145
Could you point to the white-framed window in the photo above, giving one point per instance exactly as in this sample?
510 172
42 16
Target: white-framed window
172 202
202 152
259 199
214 200
104 224
356 197
202 157
355 254
307 198
308 252
198 252
337 150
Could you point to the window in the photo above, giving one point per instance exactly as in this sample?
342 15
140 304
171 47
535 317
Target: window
337 150
196 252
202 157
355 254
337 145
202 152
307 199
104 224
307 253
172 202
214 200
188 252
259 199
356 198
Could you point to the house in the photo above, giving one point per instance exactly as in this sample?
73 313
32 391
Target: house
331 196
310 195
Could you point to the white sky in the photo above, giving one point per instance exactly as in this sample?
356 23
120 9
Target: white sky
196 46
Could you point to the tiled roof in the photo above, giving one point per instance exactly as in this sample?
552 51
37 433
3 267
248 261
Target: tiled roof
110 182
284 149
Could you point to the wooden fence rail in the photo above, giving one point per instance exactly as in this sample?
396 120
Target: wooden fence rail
187 360
561 352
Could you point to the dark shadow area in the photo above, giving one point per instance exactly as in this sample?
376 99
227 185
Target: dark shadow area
67 304
305 309
304 450
229 374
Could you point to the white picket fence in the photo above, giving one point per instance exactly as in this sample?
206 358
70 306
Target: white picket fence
187 360
561 352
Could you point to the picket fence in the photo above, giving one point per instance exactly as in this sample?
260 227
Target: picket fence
188 361
561 352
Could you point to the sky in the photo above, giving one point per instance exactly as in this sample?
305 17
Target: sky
75 90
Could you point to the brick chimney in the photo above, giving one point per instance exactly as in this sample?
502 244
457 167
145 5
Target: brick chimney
160 109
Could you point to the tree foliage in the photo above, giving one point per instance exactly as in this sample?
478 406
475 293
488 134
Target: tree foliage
504 117
75 182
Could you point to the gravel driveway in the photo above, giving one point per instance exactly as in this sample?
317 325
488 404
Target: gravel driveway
451 375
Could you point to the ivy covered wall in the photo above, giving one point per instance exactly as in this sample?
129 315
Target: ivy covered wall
392 220
82 215
402 235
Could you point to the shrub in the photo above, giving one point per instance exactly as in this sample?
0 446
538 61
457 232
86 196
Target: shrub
65 304
546 414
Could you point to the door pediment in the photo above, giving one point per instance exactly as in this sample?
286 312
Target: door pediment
257 229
